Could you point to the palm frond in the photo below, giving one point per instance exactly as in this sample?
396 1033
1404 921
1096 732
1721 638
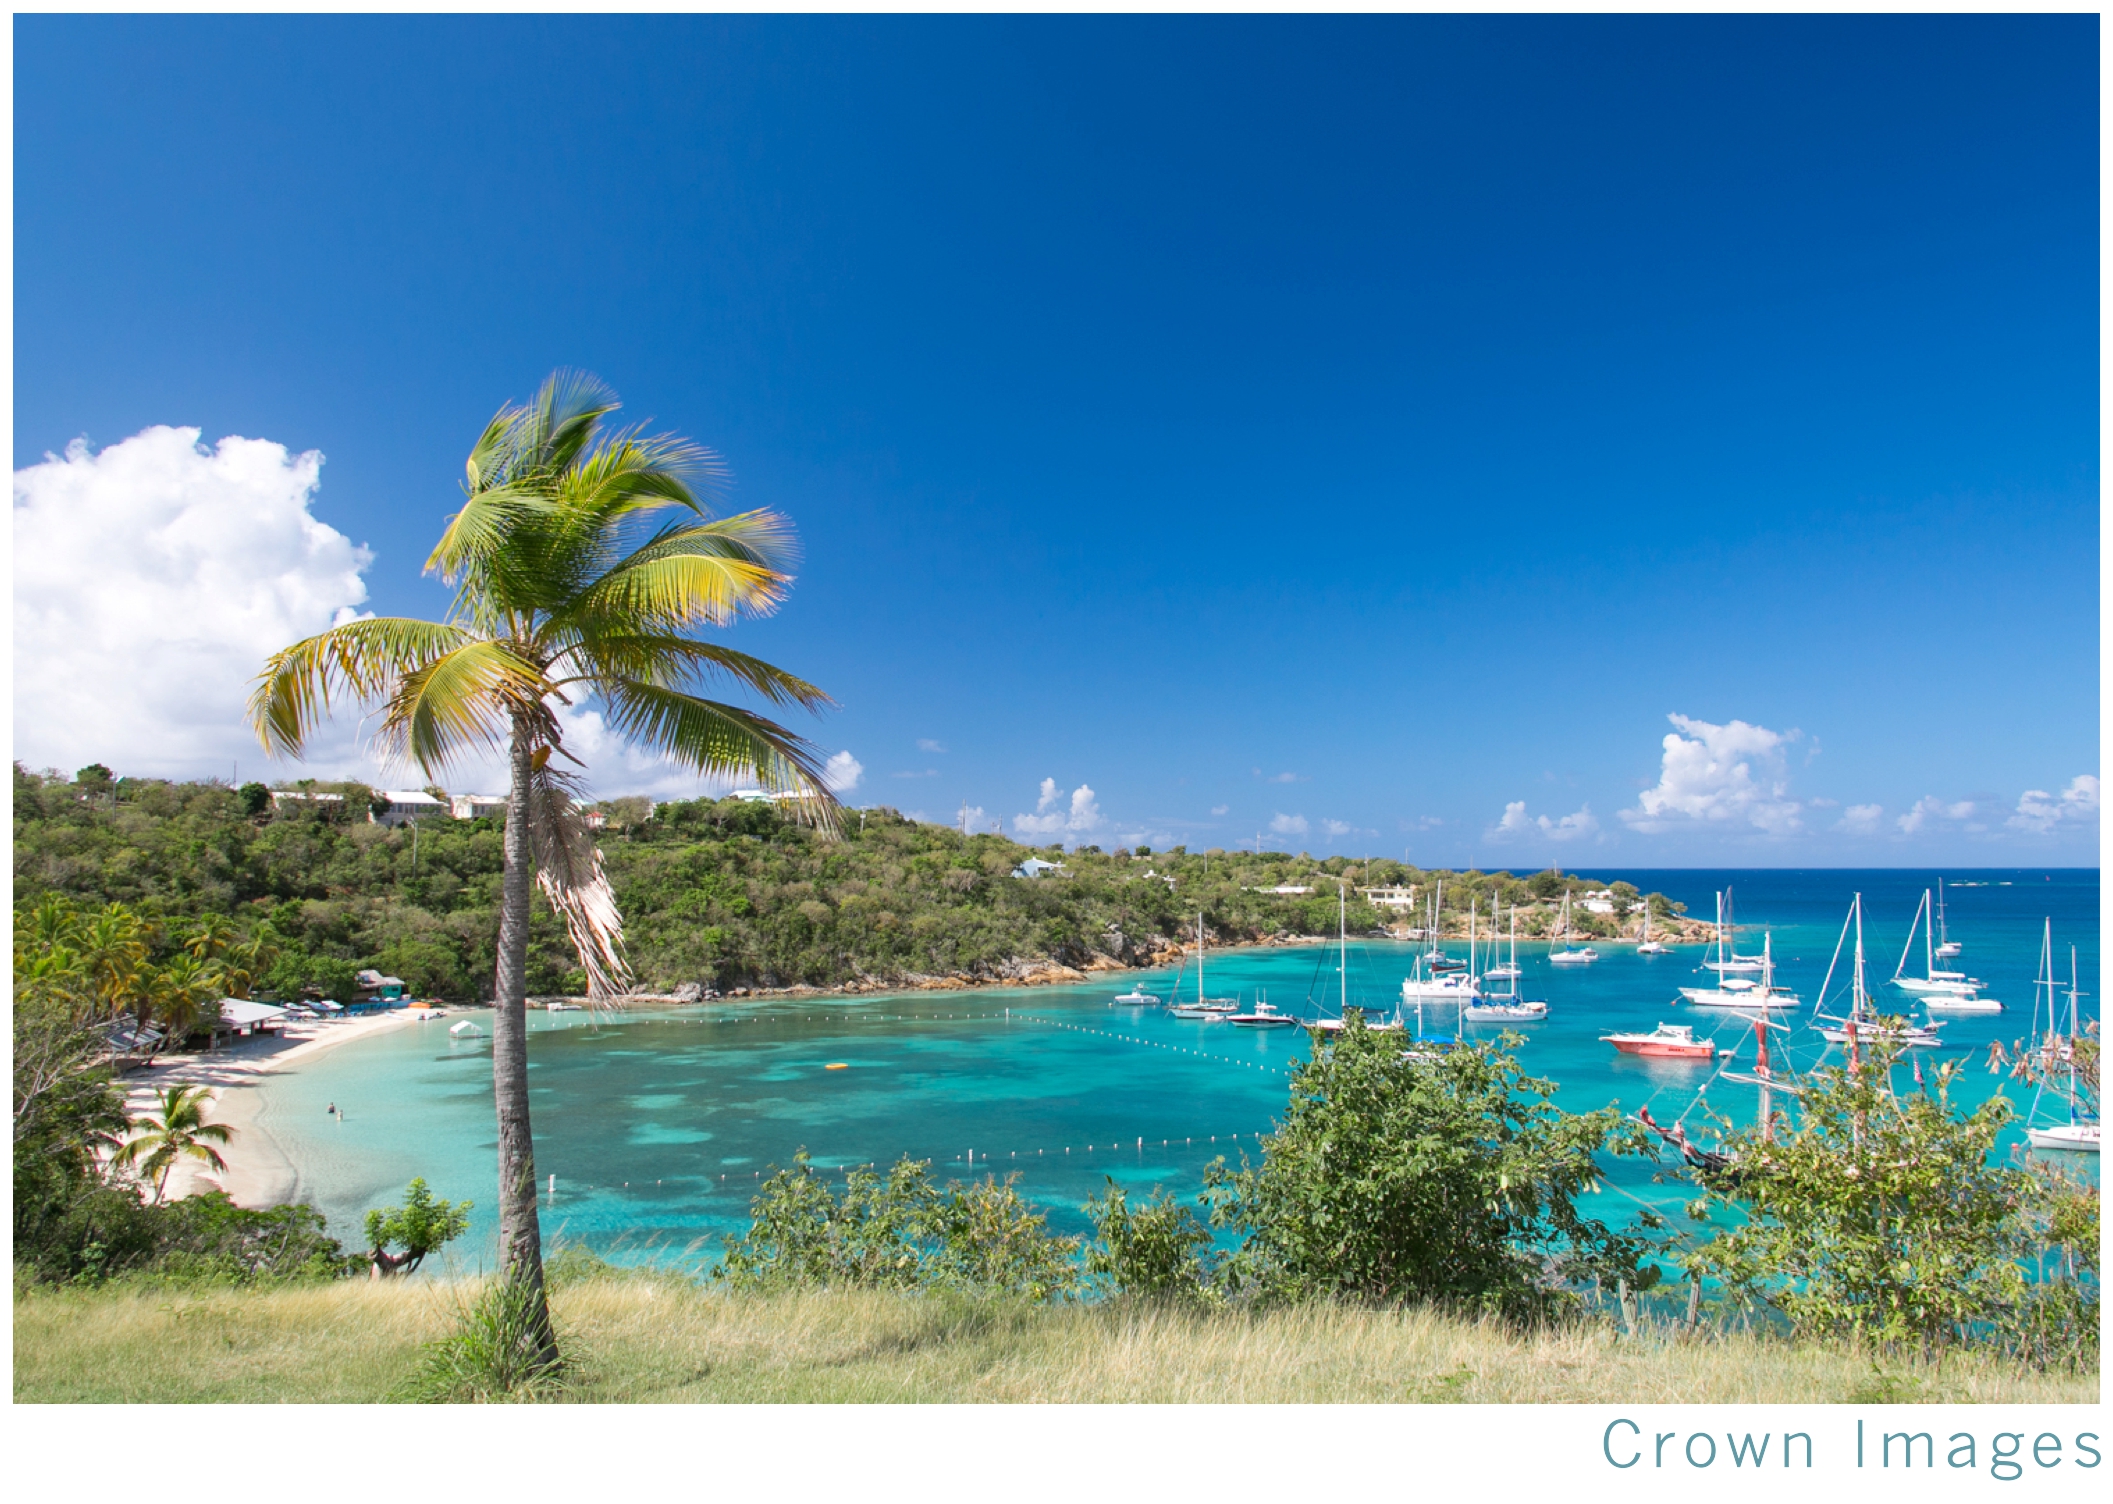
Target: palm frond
716 738
682 662
462 700
569 871
361 660
692 575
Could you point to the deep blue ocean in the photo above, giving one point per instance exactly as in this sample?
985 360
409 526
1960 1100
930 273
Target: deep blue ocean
659 1125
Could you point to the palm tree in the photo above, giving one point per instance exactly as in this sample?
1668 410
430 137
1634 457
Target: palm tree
180 1132
582 561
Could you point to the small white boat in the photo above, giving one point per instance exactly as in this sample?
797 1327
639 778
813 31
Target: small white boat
1136 997
2077 1138
1505 1011
1960 1002
563 1007
1570 955
1947 947
1940 984
1742 992
1648 946
1933 983
1263 1017
464 1030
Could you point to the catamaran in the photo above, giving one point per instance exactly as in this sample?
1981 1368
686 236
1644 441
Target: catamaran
2082 1132
1510 1008
1728 961
1954 991
1744 992
1570 955
1864 1020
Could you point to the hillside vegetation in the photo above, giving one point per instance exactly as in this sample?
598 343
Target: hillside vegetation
722 894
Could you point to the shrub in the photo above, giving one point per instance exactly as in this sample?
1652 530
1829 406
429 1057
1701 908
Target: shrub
1156 1252
421 1225
1398 1177
493 1353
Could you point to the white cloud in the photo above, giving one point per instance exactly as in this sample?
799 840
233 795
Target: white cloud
1084 814
2040 811
1220 809
1286 778
1730 774
926 744
1337 827
843 773
1860 819
914 773
1929 808
152 580
971 818
1516 822
1289 825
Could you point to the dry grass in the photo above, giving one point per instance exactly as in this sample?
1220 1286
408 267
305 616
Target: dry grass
650 1340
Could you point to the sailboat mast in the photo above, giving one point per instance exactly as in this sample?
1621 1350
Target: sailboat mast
1929 939
1342 938
1199 958
1856 986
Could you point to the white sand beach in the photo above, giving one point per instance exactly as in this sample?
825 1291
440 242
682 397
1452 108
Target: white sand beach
258 1172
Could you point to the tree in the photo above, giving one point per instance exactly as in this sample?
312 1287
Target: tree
256 798
420 1225
582 560
1879 1214
1401 1178
180 1132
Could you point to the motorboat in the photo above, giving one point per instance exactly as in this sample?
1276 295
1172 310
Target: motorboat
1666 1042
1136 997
1262 1016
1744 992
1959 1002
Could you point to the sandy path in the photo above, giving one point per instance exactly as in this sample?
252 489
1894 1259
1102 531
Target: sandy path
258 1171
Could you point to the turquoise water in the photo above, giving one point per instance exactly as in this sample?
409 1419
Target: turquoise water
659 1125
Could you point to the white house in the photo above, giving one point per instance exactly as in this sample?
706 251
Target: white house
296 796
1601 902
476 806
1285 890
406 805
1390 898
1034 866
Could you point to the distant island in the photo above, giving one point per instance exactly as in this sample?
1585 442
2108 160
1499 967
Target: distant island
729 896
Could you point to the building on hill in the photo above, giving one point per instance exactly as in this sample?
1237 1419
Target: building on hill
1390 898
1034 866
283 797
406 805
476 806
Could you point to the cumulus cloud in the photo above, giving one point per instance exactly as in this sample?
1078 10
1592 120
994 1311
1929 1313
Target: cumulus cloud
1289 825
1719 775
152 579
2039 811
1220 809
1337 827
1516 822
926 744
971 818
843 773
1861 819
1083 815
1929 808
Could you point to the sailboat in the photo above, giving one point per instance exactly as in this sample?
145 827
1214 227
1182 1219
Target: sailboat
1203 1007
1650 947
1428 982
1864 1021
2080 1134
1955 990
1510 966
1743 992
1436 958
1336 1024
1510 1008
1947 947
1570 955
1729 961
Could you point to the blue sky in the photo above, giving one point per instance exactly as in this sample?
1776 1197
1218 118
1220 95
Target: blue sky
1377 428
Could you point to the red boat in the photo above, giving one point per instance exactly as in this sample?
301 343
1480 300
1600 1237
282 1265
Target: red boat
1667 1042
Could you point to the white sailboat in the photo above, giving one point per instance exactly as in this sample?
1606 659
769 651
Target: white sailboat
1728 961
1864 1021
1509 969
1570 955
1336 1024
1650 947
1953 991
2081 1134
1743 992
1509 1008
1428 983
1947 947
1204 1006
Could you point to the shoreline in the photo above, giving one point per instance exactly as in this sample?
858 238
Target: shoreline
259 1171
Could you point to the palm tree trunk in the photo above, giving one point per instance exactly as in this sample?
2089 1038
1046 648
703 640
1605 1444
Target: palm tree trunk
520 1231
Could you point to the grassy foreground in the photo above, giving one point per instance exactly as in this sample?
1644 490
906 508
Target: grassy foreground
650 1340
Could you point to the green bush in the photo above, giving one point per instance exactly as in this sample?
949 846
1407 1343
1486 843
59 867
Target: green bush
1159 1251
1450 1179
